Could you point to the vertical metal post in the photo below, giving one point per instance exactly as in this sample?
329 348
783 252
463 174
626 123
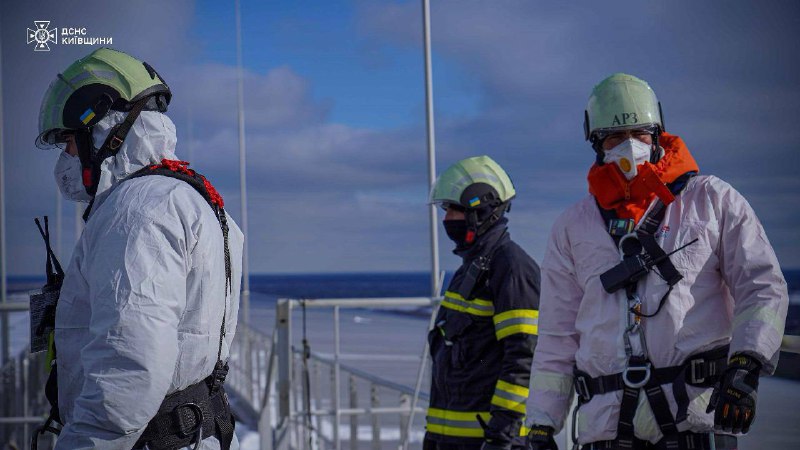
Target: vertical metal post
5 345
242 166
374 402
284 349
434 230
298 430
405 402
422 366
265 428
353 417
336 387
26 381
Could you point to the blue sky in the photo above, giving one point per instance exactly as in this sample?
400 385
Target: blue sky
334 105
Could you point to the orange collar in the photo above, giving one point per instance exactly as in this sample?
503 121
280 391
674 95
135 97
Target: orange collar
631 199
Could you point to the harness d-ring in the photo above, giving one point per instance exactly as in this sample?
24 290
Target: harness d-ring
636 384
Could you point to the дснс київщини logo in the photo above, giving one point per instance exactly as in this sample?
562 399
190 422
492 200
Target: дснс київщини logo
41 35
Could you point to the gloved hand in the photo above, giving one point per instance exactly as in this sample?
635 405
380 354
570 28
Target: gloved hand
541 438
492 443
487 445
734 397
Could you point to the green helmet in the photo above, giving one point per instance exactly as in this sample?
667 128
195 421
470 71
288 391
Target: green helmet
91 86
473 183
480 187
621 102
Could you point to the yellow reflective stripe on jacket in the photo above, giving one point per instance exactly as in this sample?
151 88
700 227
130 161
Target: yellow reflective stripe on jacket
477 307
516 321
510 396
460 423
456 423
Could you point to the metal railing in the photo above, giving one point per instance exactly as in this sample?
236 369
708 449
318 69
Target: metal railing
24 406
304 418
287 412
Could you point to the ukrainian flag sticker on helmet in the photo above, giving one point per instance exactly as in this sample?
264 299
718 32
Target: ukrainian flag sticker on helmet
474 201
87 116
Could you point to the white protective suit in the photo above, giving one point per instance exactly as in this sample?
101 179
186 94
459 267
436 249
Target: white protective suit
732 286
142 302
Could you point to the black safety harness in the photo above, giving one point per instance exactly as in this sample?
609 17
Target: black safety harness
202 409
92 161
700 370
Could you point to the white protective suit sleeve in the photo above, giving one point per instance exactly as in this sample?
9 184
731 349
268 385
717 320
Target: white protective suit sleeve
750 269
135 275
554 358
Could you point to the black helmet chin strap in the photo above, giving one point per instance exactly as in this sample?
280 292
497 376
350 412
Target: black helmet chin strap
476 228
91 162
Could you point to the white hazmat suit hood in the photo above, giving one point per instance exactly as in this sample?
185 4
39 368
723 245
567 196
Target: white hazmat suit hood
151 139
143 297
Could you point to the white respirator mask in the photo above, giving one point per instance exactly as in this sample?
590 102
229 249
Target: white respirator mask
69 178
627 155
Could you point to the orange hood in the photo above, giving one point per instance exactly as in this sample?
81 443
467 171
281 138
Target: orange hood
631 198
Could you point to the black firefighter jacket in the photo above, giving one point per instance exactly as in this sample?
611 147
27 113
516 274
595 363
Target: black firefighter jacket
482 346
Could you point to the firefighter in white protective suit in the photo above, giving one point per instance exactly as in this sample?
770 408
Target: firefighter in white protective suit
662 300
149 303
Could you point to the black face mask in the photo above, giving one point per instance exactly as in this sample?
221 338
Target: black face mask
456 230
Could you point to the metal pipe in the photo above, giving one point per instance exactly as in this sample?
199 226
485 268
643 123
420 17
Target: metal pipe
13 306
363 375
20 420
389 302
421 372
352 411
336 387
242 167
434 230
5 348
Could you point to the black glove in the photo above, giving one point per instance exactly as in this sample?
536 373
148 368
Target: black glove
734 397
487 445
541 438
492 443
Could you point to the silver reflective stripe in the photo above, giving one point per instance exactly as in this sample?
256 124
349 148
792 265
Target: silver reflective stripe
759 313
553 382
80 77
509 396
466 304
454 422
107 74
516 321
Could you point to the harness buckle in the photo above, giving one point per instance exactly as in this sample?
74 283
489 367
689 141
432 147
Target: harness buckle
582 389
644 370
115 142
695 369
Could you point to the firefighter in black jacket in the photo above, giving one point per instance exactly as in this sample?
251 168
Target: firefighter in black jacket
485 331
